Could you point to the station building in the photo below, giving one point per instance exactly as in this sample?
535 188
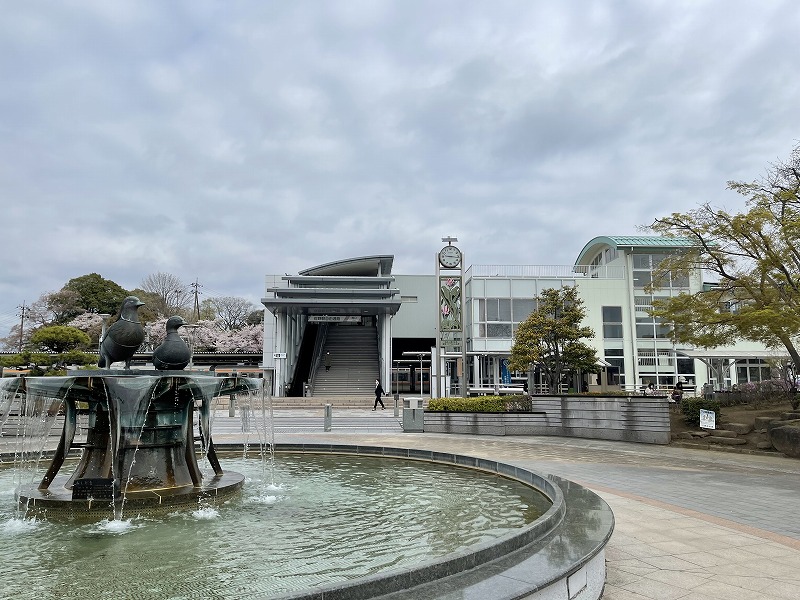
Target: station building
374 324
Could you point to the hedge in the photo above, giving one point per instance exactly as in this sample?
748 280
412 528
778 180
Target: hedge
481 404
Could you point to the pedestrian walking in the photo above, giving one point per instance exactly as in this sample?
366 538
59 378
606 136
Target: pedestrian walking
328 361
378 393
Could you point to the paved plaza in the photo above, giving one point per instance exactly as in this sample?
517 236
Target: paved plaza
690 524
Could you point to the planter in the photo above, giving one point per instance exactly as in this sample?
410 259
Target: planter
636 419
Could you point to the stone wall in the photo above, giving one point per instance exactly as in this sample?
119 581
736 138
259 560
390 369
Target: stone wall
635 419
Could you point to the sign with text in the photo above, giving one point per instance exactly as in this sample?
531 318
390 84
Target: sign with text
708 419
334 318
279 355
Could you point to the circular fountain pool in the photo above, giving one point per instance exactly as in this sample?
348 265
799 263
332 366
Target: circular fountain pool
309 521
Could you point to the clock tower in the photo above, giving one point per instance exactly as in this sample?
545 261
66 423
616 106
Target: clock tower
451 336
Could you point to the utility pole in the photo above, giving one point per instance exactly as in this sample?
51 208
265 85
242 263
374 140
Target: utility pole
197 293
22 315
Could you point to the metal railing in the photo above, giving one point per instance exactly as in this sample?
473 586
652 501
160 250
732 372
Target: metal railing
548 271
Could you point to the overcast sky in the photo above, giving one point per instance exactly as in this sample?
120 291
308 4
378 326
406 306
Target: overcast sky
221 141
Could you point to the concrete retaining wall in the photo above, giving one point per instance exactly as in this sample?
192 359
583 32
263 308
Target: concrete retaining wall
635 419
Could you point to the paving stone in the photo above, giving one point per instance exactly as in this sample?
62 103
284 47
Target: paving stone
739 428
724 433
728 441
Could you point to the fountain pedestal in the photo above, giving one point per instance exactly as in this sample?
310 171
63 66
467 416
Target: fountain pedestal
140 452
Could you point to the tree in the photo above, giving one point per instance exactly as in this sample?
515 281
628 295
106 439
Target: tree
56 308
58 345
59 338
755 258
171 295
97 294
91 324
550 338
230 312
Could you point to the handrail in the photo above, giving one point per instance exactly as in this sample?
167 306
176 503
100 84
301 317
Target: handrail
319 344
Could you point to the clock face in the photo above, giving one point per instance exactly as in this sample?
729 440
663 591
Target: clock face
450 257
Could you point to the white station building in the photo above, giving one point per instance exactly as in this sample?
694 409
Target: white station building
374 324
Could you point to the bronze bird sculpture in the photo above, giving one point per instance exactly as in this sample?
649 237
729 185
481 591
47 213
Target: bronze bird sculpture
124 337
173 353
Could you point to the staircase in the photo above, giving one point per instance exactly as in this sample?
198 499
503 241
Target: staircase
354 365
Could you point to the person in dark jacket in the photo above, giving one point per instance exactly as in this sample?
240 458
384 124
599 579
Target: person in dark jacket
378 393
328 361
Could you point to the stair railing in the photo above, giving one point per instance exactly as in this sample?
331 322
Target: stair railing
319 344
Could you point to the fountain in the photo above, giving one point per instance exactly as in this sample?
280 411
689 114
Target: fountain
139 451
358 527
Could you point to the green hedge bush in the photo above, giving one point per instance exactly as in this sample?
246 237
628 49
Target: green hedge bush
481 404
690 407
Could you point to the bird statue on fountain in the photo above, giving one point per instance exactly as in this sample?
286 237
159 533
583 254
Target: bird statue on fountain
173 354
124 337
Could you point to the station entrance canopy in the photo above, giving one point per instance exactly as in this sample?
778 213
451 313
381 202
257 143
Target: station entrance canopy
346 288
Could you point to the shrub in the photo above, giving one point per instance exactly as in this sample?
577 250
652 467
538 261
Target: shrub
690 407
766 392
484 404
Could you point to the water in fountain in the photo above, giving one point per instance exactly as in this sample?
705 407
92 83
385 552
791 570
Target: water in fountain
334 518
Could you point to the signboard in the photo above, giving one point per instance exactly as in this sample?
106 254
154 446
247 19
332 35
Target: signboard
279 355
449 303
333 318
708 419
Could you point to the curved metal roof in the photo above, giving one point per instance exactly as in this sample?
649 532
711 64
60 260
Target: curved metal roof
364 266
594 245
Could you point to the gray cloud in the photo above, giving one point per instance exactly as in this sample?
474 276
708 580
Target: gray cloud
224 141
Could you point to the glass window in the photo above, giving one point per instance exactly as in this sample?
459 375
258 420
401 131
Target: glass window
504 309
680 281
645 331
663 331
641 279
619 363
612 314
521 308
498 330
613 331
492 313
614 352
641 261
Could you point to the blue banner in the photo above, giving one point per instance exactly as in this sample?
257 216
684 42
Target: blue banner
505 375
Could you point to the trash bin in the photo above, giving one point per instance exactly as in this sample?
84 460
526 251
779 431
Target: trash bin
412 402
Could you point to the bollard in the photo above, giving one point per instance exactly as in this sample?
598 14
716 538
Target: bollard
328 417
397 405
232 405
413 420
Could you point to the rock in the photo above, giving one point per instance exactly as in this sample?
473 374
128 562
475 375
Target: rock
723 433
766 445
728 441
738 428
685 435
791 416
785 437
762 422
